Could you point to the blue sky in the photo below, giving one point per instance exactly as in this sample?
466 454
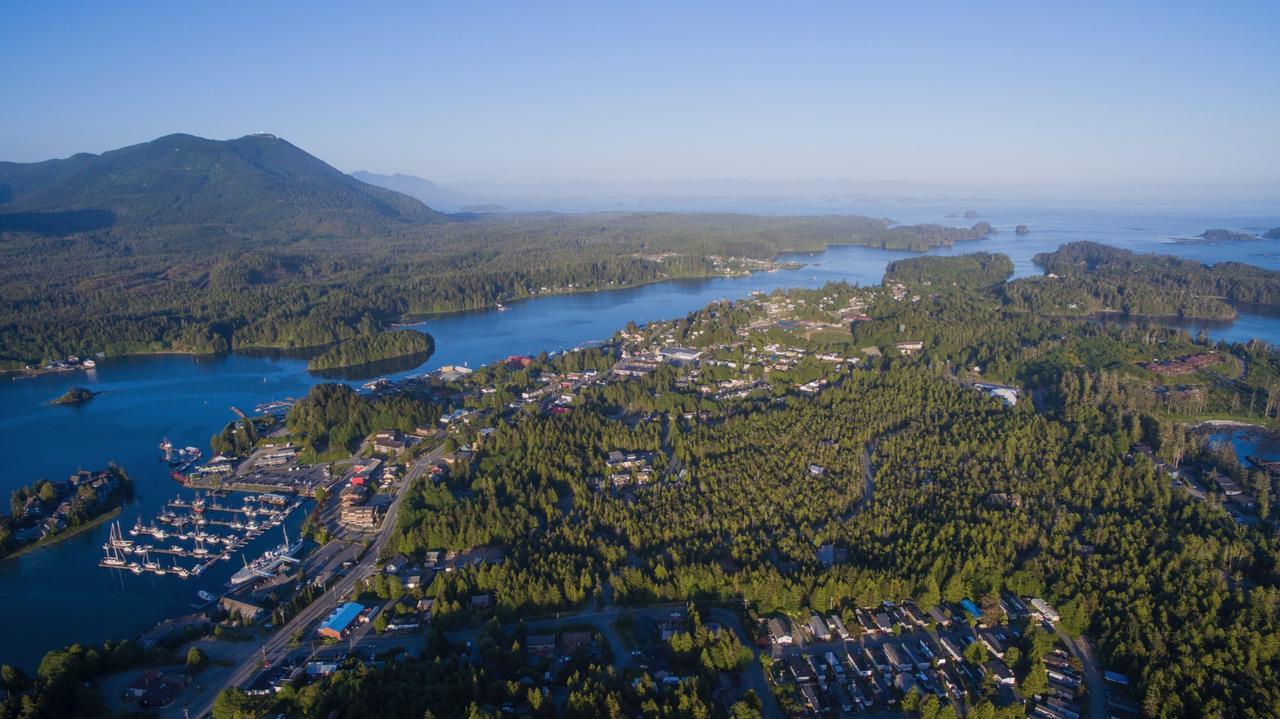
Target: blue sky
1172 97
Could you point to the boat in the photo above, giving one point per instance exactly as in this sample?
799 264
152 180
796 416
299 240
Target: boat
502 307
135 568
207 596
269 562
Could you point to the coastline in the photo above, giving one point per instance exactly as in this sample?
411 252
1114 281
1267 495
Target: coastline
50 541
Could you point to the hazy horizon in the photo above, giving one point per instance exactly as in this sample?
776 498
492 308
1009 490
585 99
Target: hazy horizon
1051 102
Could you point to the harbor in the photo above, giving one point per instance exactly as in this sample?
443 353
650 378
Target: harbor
201 531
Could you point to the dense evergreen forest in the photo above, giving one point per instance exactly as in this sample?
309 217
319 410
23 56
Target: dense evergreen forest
1086 278
122 291
333 418
973 270
373 348
931 488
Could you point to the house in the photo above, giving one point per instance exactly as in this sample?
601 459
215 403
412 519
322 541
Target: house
245 611
389 446
993 642
800 668
543 645
1044 610
158 689
139 686
939 616
571 642
953 651
413 582
396 564
779 631
882 622
818 628
1228 485
810 697
835 623
999 672
908 349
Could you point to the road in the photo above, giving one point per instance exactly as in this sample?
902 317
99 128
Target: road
276 646
1092 675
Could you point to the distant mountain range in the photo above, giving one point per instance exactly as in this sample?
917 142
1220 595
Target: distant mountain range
256 184
429 192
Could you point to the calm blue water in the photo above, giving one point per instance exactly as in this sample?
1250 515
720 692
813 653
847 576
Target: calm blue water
58 595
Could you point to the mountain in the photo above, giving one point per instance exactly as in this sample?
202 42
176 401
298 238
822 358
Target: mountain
257 184
422 189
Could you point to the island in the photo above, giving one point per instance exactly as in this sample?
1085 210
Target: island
1087 278
45 512
75 397
1022 230
1272 234
374 348
1222 235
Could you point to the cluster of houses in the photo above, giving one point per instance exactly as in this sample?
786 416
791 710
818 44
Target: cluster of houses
628 468
1189 364
79 498
871 658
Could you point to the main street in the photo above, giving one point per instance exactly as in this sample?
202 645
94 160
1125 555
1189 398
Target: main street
277 644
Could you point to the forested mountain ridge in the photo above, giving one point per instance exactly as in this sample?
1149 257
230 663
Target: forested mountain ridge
257 183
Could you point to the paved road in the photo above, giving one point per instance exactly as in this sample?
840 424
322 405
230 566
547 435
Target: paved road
277 645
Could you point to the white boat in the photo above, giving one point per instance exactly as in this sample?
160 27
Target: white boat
269 562
207 596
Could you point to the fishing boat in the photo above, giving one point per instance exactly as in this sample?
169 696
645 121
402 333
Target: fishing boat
269 562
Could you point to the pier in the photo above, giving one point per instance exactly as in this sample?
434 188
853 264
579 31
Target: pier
207 548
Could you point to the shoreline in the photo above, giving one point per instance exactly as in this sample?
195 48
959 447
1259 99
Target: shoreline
422 318
50 541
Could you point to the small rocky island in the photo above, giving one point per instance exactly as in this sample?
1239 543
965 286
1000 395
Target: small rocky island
75 397
1221 235
1022 230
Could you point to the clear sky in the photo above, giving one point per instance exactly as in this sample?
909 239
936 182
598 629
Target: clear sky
1179 97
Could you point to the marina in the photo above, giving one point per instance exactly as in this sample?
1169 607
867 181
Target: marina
188 536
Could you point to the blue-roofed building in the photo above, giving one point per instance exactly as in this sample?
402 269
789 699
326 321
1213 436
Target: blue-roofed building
338 622
970 608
